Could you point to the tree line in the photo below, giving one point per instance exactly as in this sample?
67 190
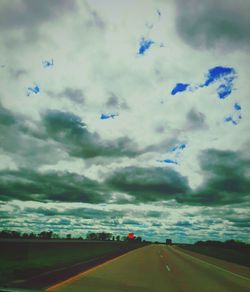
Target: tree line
99 236
230 244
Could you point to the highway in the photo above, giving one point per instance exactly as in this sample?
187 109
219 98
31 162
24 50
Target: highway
160 268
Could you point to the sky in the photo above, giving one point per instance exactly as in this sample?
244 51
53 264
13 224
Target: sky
125 116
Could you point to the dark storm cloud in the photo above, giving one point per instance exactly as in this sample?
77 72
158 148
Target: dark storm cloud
56 137
73 94
88 213
154 214
209 23
26 185
17 73
184 224
221 216
95 20
168 143
148 184
6 117
196 120
5 215
131 222
85 213
156 224
237 218
29 14
31 144
114 102
43 211
68 129
241 222
21 139
225 179
225 182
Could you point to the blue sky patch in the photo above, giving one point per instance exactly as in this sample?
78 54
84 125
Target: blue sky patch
224 75
176 152
179 87
182 146
146 42
224 91
226 88
168 161
144 45
233 119
178 147
108 116
237 106
236 116
33 90
217 73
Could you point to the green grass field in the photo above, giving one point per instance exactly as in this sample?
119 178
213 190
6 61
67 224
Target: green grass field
241 257
23 259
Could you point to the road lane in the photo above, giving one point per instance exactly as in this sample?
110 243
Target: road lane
158 268
194 274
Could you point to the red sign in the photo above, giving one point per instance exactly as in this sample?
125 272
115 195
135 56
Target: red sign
131 236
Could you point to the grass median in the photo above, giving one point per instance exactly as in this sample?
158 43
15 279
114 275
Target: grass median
22 260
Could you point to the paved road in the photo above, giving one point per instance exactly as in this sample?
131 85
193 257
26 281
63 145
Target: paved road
157 268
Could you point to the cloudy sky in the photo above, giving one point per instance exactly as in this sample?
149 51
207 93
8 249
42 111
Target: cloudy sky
125 116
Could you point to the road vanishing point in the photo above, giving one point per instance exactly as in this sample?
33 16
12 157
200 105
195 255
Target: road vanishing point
160 268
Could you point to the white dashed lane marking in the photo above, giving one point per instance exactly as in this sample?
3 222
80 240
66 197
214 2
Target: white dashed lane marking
167 267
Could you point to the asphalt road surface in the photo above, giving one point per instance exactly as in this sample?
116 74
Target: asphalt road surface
160 268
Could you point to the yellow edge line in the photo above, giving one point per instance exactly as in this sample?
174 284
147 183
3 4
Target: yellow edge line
213 265
54 287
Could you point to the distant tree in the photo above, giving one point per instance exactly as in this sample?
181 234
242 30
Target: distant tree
32 235
113 238
25 235
42 234
199 242
55 235
229 244
104 236
5 234
10 234
91 236
138 239
118 238
15 234
45 234
68 236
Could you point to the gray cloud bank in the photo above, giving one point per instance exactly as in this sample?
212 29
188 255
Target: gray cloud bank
29 14
59 134
225 183
212 23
